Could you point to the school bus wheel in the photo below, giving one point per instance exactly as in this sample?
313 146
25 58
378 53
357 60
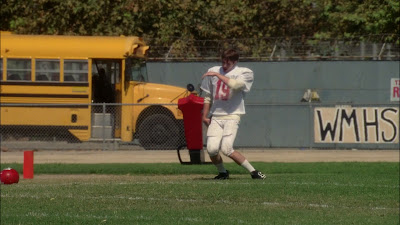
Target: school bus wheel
159 132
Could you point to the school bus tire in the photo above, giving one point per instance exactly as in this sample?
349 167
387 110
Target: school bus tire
159 132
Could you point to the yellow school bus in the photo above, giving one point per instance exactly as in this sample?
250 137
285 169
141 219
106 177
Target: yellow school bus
71 83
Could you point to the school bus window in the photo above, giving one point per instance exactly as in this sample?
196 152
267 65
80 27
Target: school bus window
139 71
115 73
47 70
76 70
19 69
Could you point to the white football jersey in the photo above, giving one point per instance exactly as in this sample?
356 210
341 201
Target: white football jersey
226 101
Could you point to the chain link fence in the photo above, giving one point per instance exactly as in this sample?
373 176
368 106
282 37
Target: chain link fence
156 128
91 126
371 47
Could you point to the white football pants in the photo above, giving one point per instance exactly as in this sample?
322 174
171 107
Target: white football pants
220 135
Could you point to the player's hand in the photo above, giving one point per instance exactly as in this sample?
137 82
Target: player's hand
206 121
209 74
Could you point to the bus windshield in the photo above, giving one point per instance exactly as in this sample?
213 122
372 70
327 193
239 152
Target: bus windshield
139 70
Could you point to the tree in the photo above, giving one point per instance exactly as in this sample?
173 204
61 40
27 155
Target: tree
174 25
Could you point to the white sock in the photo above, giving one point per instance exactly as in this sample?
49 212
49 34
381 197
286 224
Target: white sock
221 168
248 166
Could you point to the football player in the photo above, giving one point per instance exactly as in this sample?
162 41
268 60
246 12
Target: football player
225 87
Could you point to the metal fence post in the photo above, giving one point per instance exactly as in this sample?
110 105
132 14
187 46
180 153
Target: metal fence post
389 52
362 50
311 124
282 54
104 127
374 51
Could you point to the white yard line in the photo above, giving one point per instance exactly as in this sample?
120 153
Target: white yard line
211 181
177 200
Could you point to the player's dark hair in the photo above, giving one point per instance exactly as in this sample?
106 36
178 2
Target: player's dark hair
231 55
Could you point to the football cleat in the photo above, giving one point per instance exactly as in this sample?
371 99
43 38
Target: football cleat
222 176
257 175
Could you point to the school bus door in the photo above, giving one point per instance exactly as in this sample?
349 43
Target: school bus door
118 81
107 86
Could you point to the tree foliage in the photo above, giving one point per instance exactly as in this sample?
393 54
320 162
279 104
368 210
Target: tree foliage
174 22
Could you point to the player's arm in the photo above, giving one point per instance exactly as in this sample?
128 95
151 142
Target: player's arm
232 83
236 84
220 76
206 109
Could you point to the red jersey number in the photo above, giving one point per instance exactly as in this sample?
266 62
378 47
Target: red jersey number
222 92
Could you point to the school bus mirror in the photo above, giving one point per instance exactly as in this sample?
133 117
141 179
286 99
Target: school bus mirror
190 87
134 49
144 50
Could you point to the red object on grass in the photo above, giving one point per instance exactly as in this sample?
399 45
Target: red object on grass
191 107
9 176
28 164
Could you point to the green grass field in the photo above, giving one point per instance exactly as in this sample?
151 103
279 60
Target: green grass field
293 193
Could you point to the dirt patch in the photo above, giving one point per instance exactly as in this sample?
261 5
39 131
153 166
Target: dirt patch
280 155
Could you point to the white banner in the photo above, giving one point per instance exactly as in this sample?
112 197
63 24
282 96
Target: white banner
395 89
347 124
